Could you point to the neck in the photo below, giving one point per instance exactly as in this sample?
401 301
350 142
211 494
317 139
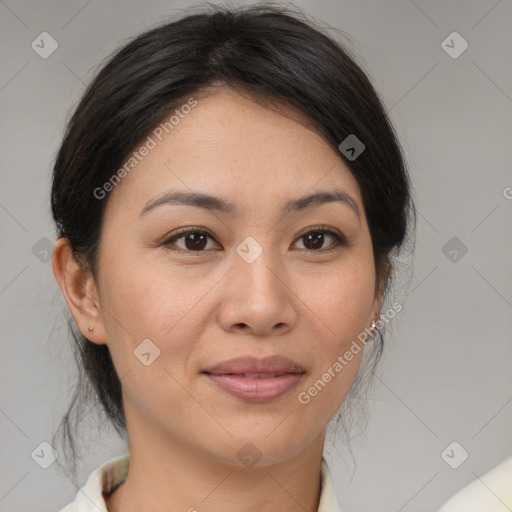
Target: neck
170 476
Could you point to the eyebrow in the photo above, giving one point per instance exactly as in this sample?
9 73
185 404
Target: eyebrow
213 203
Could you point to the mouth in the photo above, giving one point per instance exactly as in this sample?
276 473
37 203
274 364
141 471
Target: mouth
256 380
253 366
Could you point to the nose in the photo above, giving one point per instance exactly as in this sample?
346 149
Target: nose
258 298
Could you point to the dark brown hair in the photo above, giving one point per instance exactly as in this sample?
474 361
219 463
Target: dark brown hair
265 50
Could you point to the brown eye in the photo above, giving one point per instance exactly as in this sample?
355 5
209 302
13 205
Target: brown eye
192 240
314 240
195 241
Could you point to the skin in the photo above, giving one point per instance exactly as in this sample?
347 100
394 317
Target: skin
201 308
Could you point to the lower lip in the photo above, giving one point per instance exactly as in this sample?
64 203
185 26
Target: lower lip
254 389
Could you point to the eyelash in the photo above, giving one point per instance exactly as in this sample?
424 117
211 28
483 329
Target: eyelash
339 239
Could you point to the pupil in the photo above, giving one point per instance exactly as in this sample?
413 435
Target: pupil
318 237
197 241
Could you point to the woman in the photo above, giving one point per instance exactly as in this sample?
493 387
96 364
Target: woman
229 197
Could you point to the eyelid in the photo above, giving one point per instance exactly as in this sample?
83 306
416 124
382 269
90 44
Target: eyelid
326 229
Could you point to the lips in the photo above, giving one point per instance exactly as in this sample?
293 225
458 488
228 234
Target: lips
253 366
260 375
256 380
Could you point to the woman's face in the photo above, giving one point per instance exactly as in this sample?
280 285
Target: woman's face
245 283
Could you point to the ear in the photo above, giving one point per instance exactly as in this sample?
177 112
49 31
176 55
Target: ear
80 292
382 274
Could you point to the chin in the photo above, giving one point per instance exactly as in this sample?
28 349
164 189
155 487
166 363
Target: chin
256 448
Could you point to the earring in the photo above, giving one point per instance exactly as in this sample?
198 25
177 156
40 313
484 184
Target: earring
91 330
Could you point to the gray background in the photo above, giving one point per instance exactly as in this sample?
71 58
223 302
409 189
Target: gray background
446 373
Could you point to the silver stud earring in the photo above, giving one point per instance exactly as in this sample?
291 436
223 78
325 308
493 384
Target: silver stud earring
91 330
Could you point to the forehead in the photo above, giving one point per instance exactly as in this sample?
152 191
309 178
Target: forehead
230 145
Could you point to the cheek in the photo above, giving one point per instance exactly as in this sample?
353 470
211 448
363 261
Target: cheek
340 312
327 389
147 301
162 303
150 314
341 300
338 307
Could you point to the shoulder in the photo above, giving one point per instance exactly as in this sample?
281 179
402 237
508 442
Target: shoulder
328 502
69 508
491 492
101 481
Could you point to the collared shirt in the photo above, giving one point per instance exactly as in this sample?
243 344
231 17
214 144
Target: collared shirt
492 492
111 474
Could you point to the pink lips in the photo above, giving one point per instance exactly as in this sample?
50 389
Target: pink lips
256 380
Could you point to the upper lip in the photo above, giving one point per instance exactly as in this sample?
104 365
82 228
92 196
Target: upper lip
250 364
